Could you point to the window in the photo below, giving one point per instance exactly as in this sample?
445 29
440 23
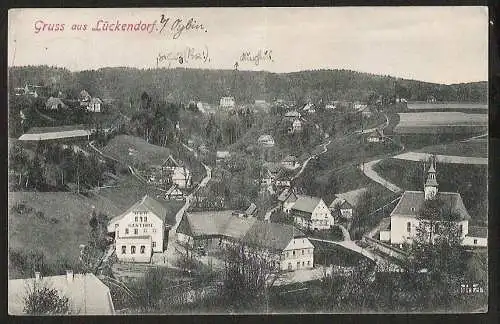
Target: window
124 249
289 266
132 249
136 231
293 252
140 218
303 263
145 219
302 252
475 241
136 218
145 230
298 265
126 231
436 228
308 263
143 248
154 244
408 227
117 233
287 254
461 229
154 230
116 225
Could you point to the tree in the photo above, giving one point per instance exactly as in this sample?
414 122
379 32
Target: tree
42 300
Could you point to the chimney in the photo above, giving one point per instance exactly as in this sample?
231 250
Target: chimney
69 276
37 275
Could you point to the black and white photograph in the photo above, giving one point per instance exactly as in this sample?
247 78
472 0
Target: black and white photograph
286 160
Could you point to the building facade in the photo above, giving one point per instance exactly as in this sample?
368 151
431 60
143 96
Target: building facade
227 102
312 213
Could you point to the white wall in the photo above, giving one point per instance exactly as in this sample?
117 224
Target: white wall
304 255
399 233
385 236
137 256
479 241
322 217
152 227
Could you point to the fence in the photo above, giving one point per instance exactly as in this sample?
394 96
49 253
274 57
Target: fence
386 248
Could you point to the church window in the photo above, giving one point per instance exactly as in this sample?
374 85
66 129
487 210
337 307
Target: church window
126 231
143 248
140 218
132 249
408 227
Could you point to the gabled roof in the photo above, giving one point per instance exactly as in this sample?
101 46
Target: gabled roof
170 162
412 201
145 204
477 231
87 294
306 204
286 194
273 236
351 197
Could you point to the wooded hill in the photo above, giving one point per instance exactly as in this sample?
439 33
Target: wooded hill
182 85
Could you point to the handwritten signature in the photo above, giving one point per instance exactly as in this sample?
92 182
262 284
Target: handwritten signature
258 57
178 26
185 56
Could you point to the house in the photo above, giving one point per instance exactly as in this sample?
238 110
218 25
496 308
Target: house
290 162
297 125
227 102
359 106
345 203
68 133
292 115
330 106
94 105
282 244
476 237
54 104
170 164
86 293
308 107
287 198
266 140
140 231
251 210
312 213
28 90
174 193
181 176
405 220
377 136
284 179
84 98
221 156
271 171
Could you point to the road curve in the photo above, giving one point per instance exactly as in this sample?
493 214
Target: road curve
367 169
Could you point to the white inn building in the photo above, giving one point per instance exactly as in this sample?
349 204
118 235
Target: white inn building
139 231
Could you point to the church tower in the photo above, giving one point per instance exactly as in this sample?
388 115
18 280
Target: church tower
431 185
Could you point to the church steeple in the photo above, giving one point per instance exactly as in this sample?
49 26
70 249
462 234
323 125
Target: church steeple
431 185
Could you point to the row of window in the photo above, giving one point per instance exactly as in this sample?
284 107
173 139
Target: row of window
141 219
136 231
133 248
298 264
293 252
436 228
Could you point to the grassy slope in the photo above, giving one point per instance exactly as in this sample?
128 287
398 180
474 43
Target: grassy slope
469 180
29 232
473 148
150 154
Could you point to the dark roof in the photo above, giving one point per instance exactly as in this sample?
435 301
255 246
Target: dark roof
145 204
477 231
274 236
412 201
306 203
351 197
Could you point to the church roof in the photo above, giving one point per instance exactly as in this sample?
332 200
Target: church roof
412 201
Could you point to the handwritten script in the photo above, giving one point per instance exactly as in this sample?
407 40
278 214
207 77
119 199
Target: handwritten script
185 56
257 58
176 27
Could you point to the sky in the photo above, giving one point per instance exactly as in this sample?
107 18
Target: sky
434 44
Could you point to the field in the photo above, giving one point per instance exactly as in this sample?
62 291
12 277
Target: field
472 148
469 180
445 106
440 122
130 190
63 227
135 151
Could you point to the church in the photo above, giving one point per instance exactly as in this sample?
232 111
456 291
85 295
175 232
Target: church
405 217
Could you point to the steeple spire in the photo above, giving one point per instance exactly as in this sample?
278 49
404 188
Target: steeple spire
431 185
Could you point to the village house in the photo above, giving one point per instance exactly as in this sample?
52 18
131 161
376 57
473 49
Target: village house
54 104
330 106
282 244
283 179
227 102
292 115
287 198
290 162
377 136
249 212
84 98
86 293
309 108
270 172
311 213
94 105
140 231
28 90
266 140
182 177
296 126
344 204
405 217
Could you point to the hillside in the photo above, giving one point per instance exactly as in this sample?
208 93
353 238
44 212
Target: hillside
183 85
